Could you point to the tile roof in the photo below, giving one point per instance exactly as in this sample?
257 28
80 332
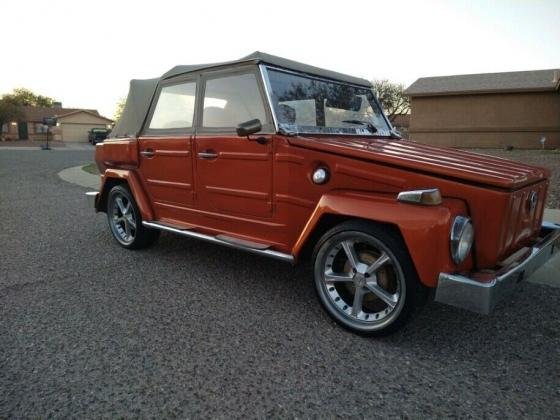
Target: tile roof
516 81
87 111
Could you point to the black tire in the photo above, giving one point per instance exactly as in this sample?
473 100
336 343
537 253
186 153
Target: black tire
395 282
126 226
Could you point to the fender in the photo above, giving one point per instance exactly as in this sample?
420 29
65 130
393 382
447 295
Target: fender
425 229
135 187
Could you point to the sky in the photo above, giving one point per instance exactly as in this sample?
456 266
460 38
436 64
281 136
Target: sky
84 53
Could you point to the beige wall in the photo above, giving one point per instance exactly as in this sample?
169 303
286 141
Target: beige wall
75 127
72 132
489 120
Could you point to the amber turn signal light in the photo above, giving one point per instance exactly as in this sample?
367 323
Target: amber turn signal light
429 197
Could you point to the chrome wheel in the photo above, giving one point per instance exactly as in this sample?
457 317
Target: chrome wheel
122 218
361 282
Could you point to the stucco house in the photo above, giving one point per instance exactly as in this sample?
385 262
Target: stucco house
515 109
73 124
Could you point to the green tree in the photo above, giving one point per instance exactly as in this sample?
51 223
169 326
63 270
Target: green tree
392 98
25 97
119 109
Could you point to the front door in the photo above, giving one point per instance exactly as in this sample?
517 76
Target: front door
166 150
234 174
23 134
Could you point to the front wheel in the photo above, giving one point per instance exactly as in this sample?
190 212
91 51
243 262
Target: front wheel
125 220
365 278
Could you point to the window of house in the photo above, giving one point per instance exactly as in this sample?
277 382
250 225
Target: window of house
39 128
175 107
231 100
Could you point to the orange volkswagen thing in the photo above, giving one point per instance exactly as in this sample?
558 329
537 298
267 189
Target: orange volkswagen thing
298 163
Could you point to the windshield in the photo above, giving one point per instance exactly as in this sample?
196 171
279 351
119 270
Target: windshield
308 105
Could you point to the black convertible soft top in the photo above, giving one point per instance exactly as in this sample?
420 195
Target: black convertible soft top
141 92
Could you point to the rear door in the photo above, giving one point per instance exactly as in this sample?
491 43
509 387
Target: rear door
234 174
166 148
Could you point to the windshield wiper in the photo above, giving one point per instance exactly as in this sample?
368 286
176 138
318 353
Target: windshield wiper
369 125
287 133
395 134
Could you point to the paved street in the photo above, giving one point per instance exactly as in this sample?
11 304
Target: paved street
187 328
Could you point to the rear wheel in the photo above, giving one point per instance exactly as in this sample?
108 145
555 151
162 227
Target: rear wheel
125 220
365 278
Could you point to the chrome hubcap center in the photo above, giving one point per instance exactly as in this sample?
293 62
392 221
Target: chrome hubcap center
360 280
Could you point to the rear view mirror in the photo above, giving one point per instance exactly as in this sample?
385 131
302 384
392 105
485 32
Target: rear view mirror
249 127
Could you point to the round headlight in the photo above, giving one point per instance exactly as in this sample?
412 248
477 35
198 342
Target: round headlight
320 175
462 236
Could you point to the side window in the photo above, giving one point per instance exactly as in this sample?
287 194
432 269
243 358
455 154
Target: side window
175 107
231 100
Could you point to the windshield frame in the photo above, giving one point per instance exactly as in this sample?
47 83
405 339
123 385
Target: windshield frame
268 90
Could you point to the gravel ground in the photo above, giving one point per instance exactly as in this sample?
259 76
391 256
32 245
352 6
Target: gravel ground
545 158
31 143
189 329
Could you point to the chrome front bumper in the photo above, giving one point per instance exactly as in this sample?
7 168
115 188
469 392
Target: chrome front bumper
482 297
91 197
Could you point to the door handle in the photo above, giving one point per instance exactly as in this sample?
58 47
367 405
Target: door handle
207 154
147 153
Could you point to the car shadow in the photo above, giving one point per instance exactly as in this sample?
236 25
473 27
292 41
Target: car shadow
523 324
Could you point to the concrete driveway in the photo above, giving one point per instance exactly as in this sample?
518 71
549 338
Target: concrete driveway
189 329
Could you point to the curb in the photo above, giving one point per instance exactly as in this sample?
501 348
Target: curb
76 175
68 148
552 215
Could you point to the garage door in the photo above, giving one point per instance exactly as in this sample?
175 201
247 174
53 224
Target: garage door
77 132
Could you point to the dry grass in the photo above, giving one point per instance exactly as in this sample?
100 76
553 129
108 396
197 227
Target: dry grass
91 168
545 158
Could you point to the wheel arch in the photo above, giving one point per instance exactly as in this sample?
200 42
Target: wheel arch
327 221
113 177
104 193
424 229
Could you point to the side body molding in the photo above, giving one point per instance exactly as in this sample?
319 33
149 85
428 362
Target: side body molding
425 229
133 181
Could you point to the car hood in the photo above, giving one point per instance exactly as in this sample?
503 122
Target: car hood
445 162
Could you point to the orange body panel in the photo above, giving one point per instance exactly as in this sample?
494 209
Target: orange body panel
263 192
132 179
420 226
168 174
122 153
